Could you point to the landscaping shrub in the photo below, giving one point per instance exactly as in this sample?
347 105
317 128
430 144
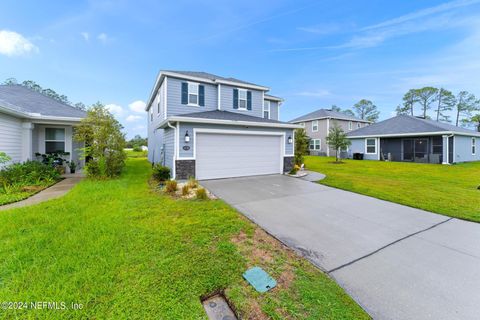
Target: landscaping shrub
185 190
161 173
137 148
201 194
31 173
192 183
171 186
4 158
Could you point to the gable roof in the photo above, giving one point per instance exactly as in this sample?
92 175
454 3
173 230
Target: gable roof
210 76
326 113
31 104
408 125
273 98
227 117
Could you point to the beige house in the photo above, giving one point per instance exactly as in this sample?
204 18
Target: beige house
317 124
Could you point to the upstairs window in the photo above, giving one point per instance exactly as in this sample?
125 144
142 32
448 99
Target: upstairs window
315 125
266 109
359 125
315 144
350 125
54 140
242 99
193 94
371 146
474 146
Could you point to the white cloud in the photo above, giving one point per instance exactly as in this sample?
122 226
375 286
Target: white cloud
14 44
85 35
115 109
137 106
103 38
133 118
316 93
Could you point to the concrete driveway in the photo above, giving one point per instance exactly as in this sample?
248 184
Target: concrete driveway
395 261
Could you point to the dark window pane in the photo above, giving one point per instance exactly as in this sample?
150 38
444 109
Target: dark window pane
265 114
51 147
54 134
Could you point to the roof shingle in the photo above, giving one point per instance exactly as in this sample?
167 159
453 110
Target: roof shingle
325 113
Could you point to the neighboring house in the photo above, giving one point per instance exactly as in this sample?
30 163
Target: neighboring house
317 125
205 126
31 123
413 139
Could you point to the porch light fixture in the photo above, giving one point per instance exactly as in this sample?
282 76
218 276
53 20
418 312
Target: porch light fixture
290 140
187 137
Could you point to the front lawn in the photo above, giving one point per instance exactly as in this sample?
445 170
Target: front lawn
124 251
448 190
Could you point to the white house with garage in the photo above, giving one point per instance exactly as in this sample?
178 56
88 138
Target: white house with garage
32 123
210 127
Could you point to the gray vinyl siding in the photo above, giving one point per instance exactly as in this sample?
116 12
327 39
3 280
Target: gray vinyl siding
169 137
274 110
463 149
226 96
155 137
190 126
358 146
11 137
174 98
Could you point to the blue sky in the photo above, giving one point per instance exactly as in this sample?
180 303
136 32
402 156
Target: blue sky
312 53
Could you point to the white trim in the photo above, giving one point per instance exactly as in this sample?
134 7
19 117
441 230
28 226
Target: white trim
315 121
319 145
268 109
219 97
193 94
366 146
268 97
228 122
246 99
165 113
242 85
239 132
175 144
436 133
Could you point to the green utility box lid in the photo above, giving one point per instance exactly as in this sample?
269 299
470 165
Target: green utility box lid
259 279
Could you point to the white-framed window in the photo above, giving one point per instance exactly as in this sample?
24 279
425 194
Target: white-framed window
266 109
359 125
242 99
54 140
193 94
315 144
371 146
350 125
315 125
474 146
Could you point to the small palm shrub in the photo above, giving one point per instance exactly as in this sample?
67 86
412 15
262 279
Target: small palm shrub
171 186
201 194
137 148
30 173
161 173
185 190
192 183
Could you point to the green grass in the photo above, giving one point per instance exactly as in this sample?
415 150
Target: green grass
125 251
448 190
136 154
14 196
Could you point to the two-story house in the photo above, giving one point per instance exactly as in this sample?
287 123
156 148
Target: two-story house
206 126
317 125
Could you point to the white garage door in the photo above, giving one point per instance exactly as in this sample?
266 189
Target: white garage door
237 155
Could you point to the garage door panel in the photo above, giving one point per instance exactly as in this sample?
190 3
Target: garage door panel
236 155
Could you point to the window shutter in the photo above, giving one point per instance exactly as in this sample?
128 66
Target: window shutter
184 93
201 95
249 100
235 98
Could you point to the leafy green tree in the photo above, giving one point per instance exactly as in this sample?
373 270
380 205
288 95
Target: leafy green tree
445 102
137 141
10 81
104 142
409 100
426 96
301 145
4 158
366 110
475 120
337 139
338 109
466 103
80 106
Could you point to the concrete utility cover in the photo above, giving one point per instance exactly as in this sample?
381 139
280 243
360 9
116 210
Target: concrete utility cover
217 308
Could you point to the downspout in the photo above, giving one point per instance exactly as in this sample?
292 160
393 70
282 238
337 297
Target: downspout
174 148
